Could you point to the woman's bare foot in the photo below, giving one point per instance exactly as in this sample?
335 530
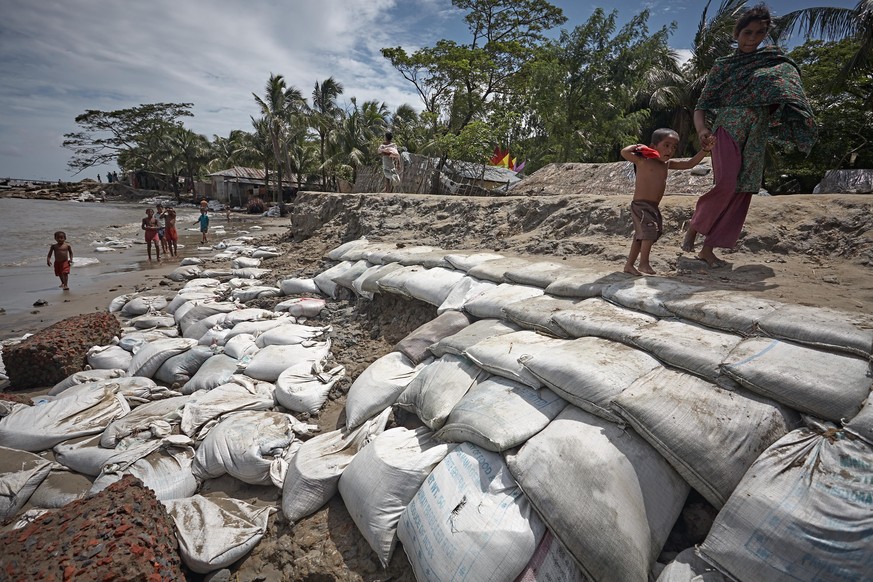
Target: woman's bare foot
707 255
688 241
66 288
647 269
631 270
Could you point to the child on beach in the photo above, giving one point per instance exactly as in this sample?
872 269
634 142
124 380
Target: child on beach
160 216
204 224
390 162
63 253
650 165
150 226
171 236
751 98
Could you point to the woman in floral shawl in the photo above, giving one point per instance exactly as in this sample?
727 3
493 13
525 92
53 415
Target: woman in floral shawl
750 97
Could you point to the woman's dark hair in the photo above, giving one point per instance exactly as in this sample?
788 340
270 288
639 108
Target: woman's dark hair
389 135
753 14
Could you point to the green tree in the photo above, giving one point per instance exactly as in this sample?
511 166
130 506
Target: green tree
277 106
325 118
129 137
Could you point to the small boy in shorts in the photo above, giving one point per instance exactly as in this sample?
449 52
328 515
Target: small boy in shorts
650 165
203 221
63 253
170 233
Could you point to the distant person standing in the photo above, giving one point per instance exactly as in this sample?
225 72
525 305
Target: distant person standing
390 162
171 236
160 216
63 254
150 226
98 178
204 224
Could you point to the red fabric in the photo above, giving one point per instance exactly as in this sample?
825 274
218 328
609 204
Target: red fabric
151 234
647 152
62 267
721 212
170 233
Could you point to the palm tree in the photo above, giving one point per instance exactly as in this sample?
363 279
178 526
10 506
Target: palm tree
834 24
360 130
277 106
325 116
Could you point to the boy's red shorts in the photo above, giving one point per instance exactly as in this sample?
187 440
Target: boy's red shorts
62 268
171 234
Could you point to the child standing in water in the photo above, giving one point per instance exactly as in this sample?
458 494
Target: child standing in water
204 224
150 226
63 254
752 97
651 165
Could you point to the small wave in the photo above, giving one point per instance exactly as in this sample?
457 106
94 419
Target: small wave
85 261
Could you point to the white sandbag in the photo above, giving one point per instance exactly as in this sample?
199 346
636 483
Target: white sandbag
244 445
596 317
378 386
86 376
190 321
821 327
215 532
382 479
466 289
347 277
862 424
110 357
269 362
151 355
489 304
828 385
291 333
151 321
86 409
584 474
689 567
184 273
406 254
215 371
428 260
304 387
536 313
264 253
314 472
500 354
337 253
213 338
60 487
118 302
590 372
395 281
83 454
245 263
693 348
240 346
166 471
649 294
723 309
458 343
552 563
582 284
440 385
367 283
469 521
132 341
20 474
295 286
205 407
151 420
498 414
254 292
801 513
143 304
201 283
217 274
690 422
416 345
495 269
466 261
325 282
536 274
256 328
135 390
180 368
432 285
191 261
301 306
249 314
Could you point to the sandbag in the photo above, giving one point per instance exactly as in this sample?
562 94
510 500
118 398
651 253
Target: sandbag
244 445
85 455
395 281
254 292
498 414
428 260
143 304
215 371
490 303
691 422
86 376
689 567
465 290
166 471
336 254
314 472
269 362
649 294
249 314
584 474
245 263
118 302
60 487
152 420
469 520
110 357
193 316
301 306
382 479
151 321
240 346
215 532
250 272
296 286
304 387
495 269
180 368
415 345
723 309
862 424
432 285
367 284
599 318
291 333
821 328
184 273
590 372
803 378
582 284
801 513
378 386
20 474
536 313
500 354
440 385
536 274
325 282
346 278
205 407
551 563
256 328
150 356
466 261
458 343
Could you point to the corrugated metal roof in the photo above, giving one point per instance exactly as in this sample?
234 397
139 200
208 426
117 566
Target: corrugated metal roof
241 172
474 171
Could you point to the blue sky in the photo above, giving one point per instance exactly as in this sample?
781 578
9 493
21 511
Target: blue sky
59 58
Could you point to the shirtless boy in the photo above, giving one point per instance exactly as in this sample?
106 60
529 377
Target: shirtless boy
150 226
171 235
651 165
63 253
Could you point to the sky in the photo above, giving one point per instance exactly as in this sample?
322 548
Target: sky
59 58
